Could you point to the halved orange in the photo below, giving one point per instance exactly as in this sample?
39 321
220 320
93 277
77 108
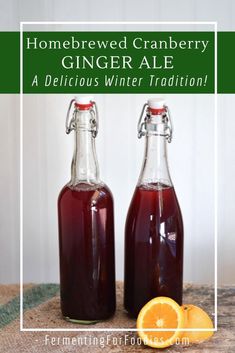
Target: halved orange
160 313
195 318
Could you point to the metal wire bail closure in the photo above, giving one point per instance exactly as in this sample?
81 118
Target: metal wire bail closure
169 125
143 121
70 125
95 120
71 120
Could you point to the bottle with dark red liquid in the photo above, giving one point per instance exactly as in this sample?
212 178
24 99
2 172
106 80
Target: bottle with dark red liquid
86 227
154 227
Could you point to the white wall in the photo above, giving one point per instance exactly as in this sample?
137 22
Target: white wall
9 188
48 151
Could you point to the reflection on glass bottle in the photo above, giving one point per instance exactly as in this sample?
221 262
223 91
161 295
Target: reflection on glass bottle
86 227
154 227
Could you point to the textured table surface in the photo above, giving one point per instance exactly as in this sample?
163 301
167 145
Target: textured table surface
42 311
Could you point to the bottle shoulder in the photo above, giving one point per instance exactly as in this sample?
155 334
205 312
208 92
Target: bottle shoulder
153 198
107 190
99 191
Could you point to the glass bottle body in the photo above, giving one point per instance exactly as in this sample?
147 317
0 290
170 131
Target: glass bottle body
154 229
86 236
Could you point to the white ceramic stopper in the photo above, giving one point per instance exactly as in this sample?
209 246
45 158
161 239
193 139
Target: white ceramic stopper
156 103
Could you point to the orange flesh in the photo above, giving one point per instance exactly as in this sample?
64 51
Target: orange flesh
160 316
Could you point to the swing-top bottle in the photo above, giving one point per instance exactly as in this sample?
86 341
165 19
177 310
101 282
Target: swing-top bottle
154 227
86 226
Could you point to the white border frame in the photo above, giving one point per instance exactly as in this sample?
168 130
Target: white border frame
214 23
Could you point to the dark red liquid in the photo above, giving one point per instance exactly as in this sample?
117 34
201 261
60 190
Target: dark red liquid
153 247
86 238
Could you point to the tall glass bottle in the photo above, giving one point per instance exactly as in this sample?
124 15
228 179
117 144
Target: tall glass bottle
154 227
86 227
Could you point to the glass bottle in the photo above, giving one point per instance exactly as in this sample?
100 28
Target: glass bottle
86 227
154 227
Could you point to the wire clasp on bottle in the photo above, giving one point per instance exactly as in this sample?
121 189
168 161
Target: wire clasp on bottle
145 118
70 122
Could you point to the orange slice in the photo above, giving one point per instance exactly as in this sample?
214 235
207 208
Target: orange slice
160 313
195 317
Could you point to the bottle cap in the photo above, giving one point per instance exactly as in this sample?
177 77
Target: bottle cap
84 102
156 105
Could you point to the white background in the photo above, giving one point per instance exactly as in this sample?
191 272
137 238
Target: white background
48 151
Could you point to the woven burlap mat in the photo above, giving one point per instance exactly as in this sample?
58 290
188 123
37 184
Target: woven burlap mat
47 316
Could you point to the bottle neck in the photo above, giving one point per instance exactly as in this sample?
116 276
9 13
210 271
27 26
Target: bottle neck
155 170
84 168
